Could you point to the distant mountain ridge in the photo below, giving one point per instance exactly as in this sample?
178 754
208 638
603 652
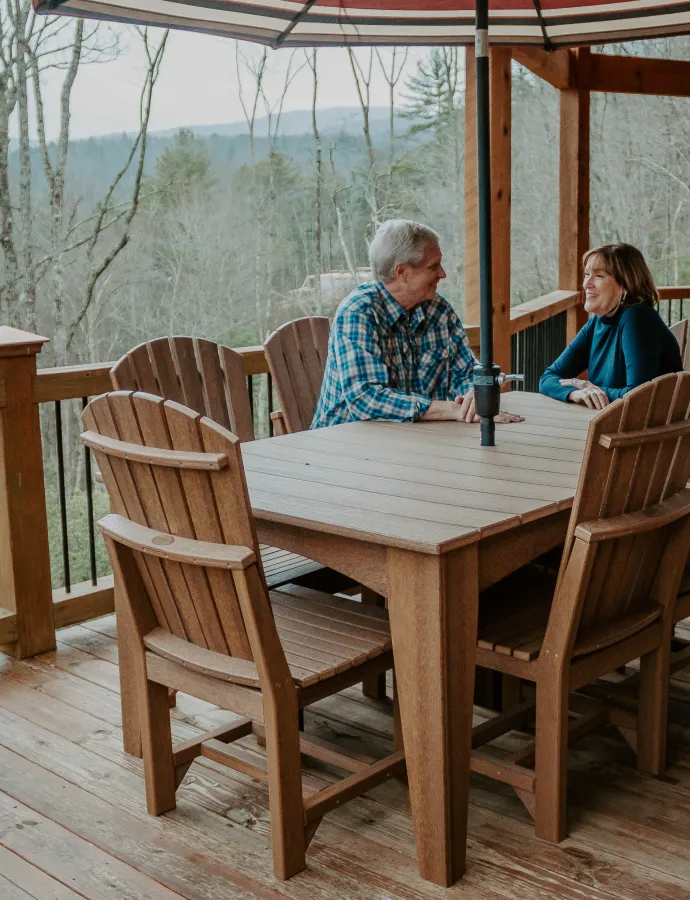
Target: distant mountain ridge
335 120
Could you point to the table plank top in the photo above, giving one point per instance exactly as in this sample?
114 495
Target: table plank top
425 486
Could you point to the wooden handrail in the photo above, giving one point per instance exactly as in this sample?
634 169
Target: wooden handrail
674 293
70 382
74 382
524 315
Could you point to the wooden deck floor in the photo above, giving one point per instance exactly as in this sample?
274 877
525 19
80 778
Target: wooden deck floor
73 821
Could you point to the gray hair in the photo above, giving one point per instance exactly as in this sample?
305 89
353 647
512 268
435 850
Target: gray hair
398 241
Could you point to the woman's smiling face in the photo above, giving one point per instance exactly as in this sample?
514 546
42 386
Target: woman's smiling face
602 291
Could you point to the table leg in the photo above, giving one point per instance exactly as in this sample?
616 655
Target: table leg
432 602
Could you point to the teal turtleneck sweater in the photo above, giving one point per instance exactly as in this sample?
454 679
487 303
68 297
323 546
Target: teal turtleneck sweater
621 352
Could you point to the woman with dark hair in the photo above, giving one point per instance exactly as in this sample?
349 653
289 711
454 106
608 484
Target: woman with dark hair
625 342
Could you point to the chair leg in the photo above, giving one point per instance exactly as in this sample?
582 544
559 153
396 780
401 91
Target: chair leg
156 738
285 791
551 759
652 718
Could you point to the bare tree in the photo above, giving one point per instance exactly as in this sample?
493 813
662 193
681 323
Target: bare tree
392 73
318 179
247 66
98 266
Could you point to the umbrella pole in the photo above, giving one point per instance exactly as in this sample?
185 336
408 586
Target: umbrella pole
486 385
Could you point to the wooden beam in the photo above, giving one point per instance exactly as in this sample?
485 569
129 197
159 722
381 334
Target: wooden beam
573 228
635 75
500 93
556 66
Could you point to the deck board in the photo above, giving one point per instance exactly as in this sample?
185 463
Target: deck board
75 823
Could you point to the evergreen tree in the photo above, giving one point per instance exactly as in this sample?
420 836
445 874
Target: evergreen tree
433 96
183 168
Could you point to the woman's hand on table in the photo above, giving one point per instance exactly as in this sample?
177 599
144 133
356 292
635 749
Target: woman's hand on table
586 393
468 413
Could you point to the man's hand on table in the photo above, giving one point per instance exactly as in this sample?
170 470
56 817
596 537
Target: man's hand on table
468 412
462 409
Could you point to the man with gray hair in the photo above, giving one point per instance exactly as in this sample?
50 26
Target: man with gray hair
397 349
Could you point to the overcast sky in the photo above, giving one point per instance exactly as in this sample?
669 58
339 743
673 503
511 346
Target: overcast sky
197 86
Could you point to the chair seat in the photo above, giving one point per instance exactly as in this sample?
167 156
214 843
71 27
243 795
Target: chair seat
514 613
322 635
282 567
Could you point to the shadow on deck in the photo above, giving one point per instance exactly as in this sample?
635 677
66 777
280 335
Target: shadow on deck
73 821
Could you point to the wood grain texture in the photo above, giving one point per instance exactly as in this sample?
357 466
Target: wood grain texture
629 832
194 613
613 599
24 555
636 75
431 600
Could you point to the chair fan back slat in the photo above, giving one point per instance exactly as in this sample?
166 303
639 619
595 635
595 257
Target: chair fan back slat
202 375
194 602
296 354
624 480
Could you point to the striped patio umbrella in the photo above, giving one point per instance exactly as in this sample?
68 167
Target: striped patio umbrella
549 23
315 23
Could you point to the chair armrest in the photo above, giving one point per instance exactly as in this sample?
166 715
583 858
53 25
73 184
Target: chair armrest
279 426
201 660
179 459
630 524
177 549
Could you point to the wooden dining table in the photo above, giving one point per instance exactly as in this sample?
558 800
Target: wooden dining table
423 515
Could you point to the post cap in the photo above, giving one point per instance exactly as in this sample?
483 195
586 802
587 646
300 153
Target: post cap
14 342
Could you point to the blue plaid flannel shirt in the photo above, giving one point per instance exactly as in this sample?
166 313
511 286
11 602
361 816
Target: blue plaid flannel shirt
385 363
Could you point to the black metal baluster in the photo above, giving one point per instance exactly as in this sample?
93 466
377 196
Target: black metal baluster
269 379
250 390
89 506
62 497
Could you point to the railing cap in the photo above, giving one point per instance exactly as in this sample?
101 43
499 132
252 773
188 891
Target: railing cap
14 342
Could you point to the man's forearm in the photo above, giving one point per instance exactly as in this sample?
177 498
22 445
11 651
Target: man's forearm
441 410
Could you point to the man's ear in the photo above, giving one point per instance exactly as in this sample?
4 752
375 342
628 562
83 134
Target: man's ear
400 271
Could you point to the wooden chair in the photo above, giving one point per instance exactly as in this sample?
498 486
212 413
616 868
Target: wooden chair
198 616
612 601
209 378
296 354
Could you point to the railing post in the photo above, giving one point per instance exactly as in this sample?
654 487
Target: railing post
25 586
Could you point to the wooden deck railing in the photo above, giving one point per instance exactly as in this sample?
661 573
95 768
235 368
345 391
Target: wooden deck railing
30 609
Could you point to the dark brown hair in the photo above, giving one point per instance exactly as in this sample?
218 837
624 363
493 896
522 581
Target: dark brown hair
627 265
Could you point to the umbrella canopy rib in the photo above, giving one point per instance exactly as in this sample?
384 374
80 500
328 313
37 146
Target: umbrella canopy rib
545 23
